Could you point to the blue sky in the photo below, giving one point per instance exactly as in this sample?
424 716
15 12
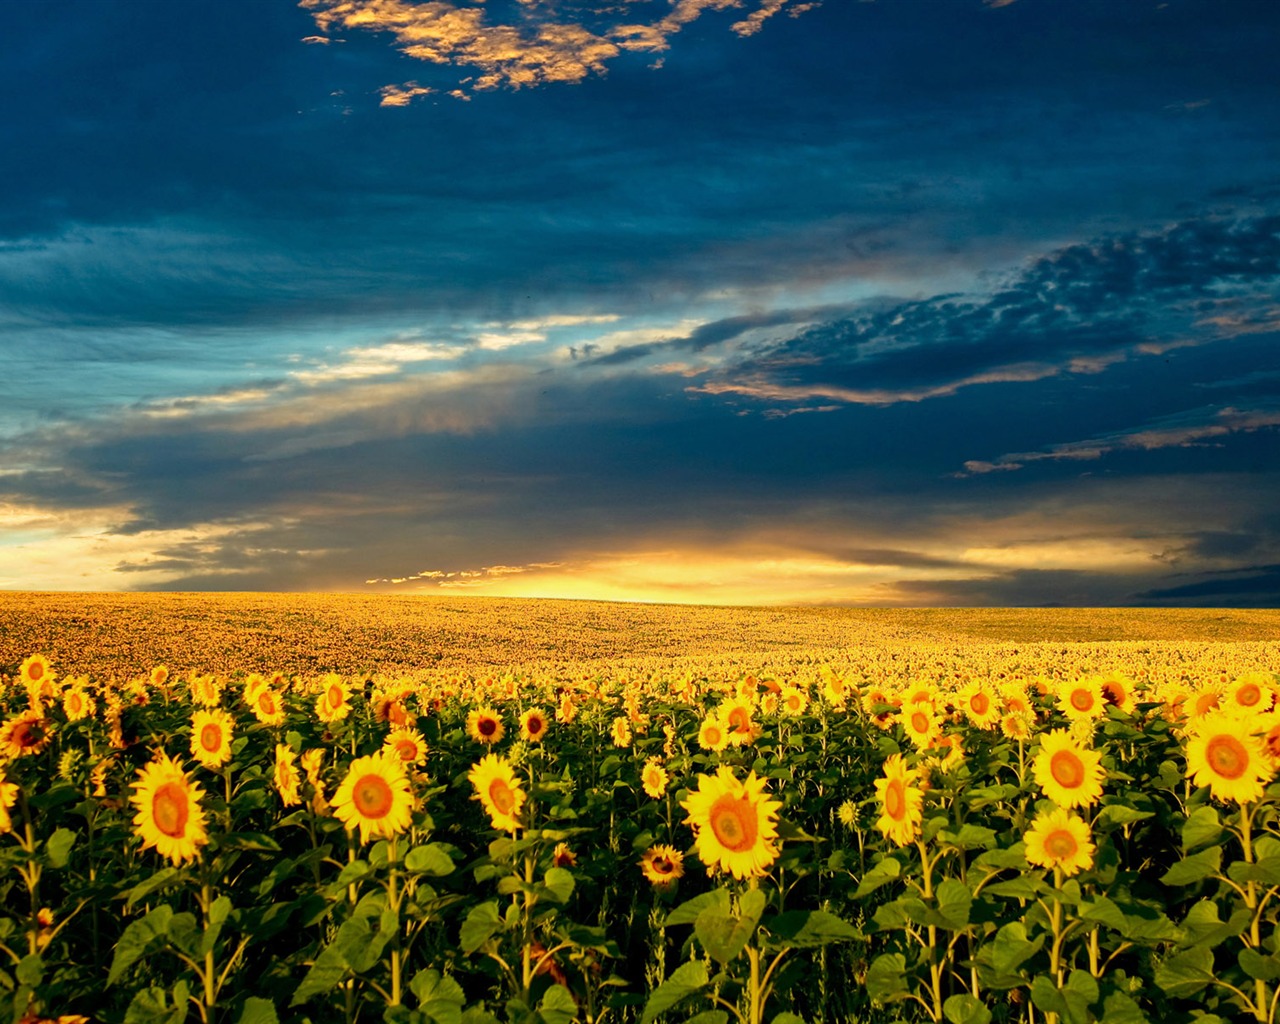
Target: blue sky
899 302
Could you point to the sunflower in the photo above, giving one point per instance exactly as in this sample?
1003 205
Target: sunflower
286 775
1016 701
620 731
1059 839
736 715
159 675
712 734
901 801
407 744
1205 700
499 791
1068 773
375 797
834 689
35 672
1118 691
334 702
27 732
169 816
533 726
662 865
979 704
1082 698
1223 754
1252 693
211 737
793 701
267 706
1016 726
735 825
563 857
205 690
252 684
567 711
8 797
484 726
78 703
920 724
654 778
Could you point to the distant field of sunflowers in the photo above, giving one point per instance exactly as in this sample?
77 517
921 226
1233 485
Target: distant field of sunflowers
301 808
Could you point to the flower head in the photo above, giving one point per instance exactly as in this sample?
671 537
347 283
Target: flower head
169 817
735 823
1059 839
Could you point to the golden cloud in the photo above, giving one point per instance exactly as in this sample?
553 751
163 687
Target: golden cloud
536 51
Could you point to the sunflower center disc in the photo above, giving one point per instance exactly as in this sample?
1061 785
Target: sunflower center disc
169 809
211 737
335 696
1227 756
1081 700
1067 769
372 796
920 722
502 796
1060 844
733 821
895 802
1248 696
979 703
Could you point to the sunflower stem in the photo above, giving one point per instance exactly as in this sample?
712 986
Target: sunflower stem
393 901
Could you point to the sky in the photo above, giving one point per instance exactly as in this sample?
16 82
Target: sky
894 303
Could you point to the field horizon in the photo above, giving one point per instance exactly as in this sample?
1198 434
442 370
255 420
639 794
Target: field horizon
125 633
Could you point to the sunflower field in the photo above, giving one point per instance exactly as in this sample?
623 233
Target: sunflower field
840 840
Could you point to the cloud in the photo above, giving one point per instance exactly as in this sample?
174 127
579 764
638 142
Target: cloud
536 51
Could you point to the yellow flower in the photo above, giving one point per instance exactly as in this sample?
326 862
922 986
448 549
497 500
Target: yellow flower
1252 693
793 701
1223 754
8 797
662 865
735 824
267 706
286 775
374 797
621 731
27 732
169 817
980 704
1118 692
211 737
1069 774
205 690
533 726
567 711
563 857
78 703
35 672
484 726
920 724
901 801
736 716
407 744
847 812
654 778
712 734
334 702
1059 839
499 791
159 675
1082 698
1016 726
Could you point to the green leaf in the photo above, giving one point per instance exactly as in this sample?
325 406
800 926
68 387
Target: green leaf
557 1006
258 1011
1203 927
785 1017
688 911
806 929
1105 911
965 1009
30 970
1011 947
954 903
1024 887
1187 973
886 871
715 1017
722 935
1000 859
1119 1008
559 884
431 859
152 1006
58 847
333 964
1120 814
1194 868
1080 992
184 933
479 927
1201 828
1254 964
440 998
887 978
139 938
688 979
1265 870
973 837
162 878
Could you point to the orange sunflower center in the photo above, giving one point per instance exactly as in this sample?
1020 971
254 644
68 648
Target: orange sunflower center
712 733
170 809
36 671
211 736
1067 769
979 703
1081 699
372 796
920 722
335 696
1060 844
535 725
1227 756
1248 695
487 726
1206 702
28 734
733 822
739 720
895 800
267 702
502 796
1113 693
661 865
407 750
74 703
